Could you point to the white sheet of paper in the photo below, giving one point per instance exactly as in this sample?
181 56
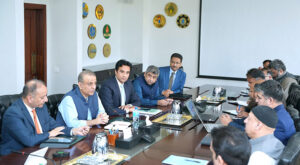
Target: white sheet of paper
243 103
34 160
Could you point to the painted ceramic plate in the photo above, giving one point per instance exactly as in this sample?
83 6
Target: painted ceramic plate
91 31
106 31
99 12
92 51
183 21
171 9
159 21
106 50
85 10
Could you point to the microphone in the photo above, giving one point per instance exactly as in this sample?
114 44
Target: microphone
24 153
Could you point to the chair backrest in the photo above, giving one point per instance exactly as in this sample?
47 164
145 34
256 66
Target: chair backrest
53 103
291 153
297 77
5 102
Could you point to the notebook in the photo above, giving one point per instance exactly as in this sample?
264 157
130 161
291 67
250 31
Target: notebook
61 143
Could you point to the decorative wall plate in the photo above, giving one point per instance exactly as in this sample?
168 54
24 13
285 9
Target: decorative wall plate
106 31
99 12
91 31
92 51
85 10
159 21
183 20
171 9
106 50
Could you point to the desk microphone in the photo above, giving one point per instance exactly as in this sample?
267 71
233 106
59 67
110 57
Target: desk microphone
24 153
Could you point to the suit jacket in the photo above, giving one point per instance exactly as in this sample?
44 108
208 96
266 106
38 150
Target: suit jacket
18 130
111 97
164 77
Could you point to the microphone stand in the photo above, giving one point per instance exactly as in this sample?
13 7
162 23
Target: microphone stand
24 153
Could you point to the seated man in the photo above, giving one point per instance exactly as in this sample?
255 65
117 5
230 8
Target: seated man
254 75
82 106
260 127
27 123
146 88
117 93
280 74
270 93
172 78
243 112
229 145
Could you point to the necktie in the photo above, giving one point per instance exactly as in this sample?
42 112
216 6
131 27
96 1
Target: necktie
123 96
171 80
35 120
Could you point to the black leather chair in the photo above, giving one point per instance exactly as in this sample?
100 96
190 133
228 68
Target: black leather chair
53 103
5 102
291 152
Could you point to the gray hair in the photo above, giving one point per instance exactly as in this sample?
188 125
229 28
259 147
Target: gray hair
277 65
153 69
85 72
31 86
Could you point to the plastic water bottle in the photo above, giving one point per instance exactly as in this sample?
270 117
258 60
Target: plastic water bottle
135 120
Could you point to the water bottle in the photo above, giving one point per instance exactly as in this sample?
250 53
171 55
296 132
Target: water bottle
135 120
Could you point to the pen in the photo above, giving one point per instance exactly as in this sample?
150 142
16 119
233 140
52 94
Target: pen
195 161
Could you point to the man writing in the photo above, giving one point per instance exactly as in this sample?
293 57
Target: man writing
82 106
27 123
146 88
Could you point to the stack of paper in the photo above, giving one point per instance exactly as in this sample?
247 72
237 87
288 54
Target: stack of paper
150 112
179 160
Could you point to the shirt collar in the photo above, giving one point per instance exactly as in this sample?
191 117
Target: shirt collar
172 71
119 83
29 109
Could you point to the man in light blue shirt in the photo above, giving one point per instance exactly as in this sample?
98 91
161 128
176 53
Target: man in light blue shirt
82 106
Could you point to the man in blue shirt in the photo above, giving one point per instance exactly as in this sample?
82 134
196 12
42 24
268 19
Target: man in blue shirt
82 106
172 78
270 93
146 87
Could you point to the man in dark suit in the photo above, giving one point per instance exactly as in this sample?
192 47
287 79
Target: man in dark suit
117 93
27 122
172 78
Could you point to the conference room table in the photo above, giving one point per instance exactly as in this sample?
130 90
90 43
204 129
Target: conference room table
168 141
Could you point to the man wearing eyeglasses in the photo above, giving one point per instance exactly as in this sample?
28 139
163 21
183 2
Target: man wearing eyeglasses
146 87
172 78
82 105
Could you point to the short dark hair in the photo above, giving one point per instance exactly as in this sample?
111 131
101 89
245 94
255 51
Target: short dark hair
31 86
277 65
231 144
85 72
176 55
265 61
270 88
122 62
255 73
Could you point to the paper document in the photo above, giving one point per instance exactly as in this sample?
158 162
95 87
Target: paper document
239 102
34 160
179 160
150 112
231 112
120 125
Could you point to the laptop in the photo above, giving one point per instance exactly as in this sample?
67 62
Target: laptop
200 107
194 112
180 96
